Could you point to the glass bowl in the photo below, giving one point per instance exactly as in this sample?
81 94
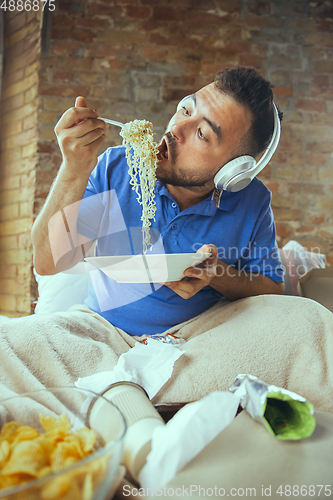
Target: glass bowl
90 477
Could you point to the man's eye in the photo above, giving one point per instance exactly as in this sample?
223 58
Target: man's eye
186 111
201 135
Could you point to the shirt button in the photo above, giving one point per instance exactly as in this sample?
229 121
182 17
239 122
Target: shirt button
174 205
174 226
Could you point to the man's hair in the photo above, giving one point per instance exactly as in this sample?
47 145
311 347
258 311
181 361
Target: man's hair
250 89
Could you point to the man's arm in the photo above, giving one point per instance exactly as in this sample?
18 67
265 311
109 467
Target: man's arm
227 280
235 284
79 134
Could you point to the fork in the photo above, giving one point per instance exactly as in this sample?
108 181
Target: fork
113 122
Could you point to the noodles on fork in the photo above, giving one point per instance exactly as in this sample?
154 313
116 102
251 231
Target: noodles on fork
141 155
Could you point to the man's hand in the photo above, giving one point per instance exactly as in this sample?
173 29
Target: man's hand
225 279
197 277
80 133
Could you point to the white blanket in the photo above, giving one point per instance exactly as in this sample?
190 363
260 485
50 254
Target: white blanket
286 341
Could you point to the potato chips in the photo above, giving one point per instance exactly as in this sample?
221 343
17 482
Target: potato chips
25 454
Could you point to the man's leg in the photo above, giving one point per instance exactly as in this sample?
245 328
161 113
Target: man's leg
285 341
53 350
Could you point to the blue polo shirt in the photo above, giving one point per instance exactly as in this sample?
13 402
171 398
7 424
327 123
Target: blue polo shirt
240 224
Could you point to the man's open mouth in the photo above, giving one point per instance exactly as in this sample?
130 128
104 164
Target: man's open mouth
163 153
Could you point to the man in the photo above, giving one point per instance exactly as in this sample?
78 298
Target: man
282 340
231 117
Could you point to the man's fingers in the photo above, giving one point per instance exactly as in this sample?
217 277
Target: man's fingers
74 115
89 125
193 272
93 136
80 102
185 288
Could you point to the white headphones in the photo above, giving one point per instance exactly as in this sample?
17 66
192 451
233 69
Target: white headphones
238 173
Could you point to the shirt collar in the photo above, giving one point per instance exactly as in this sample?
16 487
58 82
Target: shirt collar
224 200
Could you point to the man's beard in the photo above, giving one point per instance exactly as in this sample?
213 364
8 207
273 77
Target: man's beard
180 178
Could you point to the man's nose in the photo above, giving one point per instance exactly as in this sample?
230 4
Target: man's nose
180 129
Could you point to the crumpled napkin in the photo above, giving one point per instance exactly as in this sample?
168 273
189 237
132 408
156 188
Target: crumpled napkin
197 424
185 435
148 365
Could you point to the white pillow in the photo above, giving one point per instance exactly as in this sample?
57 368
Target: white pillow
296 261
3 318
59 292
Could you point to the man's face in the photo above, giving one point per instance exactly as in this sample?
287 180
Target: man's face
202 136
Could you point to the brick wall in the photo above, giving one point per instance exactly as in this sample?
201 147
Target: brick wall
18 160
137 58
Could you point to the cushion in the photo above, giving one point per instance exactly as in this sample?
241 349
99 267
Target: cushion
59 292
296 261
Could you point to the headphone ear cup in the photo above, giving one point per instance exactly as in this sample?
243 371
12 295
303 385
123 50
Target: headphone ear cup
236 174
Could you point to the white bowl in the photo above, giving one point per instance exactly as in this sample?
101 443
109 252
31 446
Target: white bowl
148 268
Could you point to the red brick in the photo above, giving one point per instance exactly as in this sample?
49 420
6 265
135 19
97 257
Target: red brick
323 66
283 230
152 25
8 271
100 50
305 229
329 260
113 12
83 35
98 24
29 122
281 77
166 14
259 22
63 76
237 46
320 80
316 39
212 69
179 41
321 147
316 105
107 63
258 8
139 12
316 159
150 52
15 50
15 24
127 39
273 186
65 20
22 139
317 219
71 62
44 177
68 91
258 49
11 78
64 49
12 103
285 90
175 94
45 147
250 60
